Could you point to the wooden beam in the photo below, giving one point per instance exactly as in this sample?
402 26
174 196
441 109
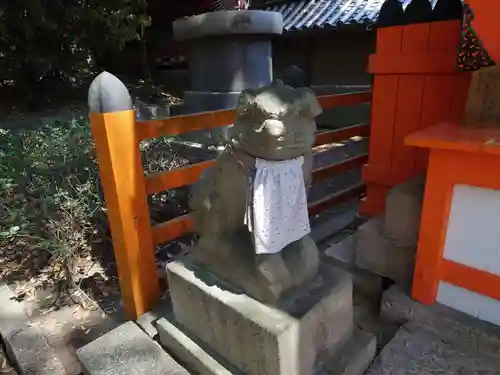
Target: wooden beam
208 120
188 175
338 135
336 198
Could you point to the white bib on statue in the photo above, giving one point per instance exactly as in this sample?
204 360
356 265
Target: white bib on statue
279 205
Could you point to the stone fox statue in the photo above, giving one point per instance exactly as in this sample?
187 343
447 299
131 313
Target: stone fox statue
250 209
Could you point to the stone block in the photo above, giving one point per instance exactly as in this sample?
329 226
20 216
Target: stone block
32 354
379 254
402 212
127 350
257 338
354 357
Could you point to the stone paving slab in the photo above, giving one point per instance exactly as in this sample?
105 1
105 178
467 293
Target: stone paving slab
25 345
32 353
415 351
127 350
449 324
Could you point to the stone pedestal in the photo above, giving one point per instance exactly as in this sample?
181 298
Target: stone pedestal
310 332
228 51
386 244
378 253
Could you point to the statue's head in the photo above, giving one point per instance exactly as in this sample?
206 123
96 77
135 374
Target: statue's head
275 122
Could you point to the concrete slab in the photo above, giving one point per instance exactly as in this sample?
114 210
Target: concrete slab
25 345
256 338
32 354
127 350
415 351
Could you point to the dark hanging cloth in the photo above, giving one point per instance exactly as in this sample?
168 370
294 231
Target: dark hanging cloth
472 55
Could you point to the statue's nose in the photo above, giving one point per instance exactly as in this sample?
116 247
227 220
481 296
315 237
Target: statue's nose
274 127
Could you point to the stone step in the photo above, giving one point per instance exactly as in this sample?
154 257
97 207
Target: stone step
190 351
127 350
354 357
416 351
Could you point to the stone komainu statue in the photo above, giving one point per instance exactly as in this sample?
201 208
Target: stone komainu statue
250 203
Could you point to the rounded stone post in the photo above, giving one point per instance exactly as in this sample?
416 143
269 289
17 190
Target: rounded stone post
122 179
229 51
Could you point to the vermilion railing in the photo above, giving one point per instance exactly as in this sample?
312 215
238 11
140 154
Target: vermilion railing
117 137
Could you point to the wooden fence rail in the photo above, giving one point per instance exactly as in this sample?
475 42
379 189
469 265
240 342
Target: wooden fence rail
117 137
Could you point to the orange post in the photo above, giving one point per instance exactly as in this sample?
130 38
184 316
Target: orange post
415 84
122 178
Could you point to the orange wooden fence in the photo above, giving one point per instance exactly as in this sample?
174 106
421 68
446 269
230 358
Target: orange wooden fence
117 137
416 84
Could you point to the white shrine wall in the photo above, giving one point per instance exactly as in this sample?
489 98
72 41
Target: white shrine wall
473 239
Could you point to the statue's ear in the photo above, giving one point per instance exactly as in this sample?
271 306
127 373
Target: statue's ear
245 100
310 106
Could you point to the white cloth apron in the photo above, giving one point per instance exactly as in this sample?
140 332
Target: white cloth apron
277 209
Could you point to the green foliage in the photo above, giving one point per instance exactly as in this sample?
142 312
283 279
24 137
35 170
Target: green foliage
50 195
42 39
49 189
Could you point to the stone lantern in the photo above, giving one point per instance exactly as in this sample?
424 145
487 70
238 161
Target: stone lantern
229 51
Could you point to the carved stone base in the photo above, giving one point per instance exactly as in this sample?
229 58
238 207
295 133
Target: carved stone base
264 277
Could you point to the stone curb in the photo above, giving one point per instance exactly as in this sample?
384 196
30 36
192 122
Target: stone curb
26 346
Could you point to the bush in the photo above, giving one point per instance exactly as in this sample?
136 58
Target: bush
60 39
49 188
51 204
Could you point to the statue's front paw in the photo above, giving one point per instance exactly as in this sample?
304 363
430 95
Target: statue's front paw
302 260
275 275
